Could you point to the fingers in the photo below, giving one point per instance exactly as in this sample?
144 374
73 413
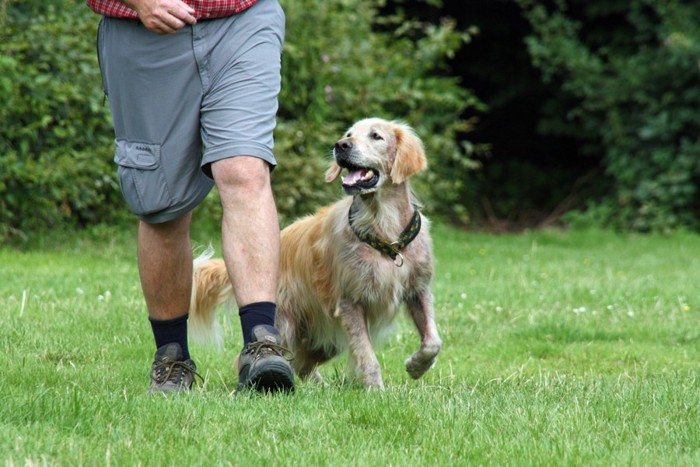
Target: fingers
165 16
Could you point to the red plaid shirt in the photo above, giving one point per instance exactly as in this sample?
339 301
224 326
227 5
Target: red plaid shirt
204 9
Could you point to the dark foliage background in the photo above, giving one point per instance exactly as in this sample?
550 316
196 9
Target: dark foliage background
634 101
592 110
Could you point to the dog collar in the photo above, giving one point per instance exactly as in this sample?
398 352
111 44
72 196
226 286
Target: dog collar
392 249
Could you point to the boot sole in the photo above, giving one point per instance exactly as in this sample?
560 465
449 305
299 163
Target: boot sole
270 377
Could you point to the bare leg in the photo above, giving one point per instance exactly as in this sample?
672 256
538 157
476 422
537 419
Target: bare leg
250 228
165 267
251 246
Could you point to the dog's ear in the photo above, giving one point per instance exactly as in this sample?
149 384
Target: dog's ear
332 172
410 155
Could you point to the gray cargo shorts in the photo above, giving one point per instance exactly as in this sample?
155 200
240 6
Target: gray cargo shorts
183 101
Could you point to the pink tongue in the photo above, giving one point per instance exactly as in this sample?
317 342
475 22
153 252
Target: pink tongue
354 176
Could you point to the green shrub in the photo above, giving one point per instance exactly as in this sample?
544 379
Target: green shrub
55 133
636 100
56 140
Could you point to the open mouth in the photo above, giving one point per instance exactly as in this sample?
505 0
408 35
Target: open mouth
360 178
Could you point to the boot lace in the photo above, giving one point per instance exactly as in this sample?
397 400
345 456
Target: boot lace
260 349
173 372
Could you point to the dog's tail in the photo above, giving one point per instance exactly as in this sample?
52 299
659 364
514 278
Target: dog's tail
210 287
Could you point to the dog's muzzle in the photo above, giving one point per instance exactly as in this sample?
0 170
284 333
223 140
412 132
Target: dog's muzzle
358 178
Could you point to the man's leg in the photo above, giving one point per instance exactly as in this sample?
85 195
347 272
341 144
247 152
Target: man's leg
251 242
155 96
165 268
250 229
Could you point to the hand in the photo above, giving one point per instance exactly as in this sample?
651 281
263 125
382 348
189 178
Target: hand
163 16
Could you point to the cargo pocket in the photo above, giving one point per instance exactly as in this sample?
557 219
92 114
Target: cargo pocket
141 177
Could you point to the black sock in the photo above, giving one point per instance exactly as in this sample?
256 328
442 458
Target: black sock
171 330
254 314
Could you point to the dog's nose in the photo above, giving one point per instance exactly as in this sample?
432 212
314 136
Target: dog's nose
343 145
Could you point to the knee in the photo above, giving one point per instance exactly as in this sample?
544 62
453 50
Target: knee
242 173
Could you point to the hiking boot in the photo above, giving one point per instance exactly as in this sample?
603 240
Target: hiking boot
264 364
170 371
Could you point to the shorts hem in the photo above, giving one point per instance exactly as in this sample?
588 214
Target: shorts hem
226 152
171 214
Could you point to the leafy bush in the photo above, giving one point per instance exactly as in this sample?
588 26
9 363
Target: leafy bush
56 144
55 133
636 99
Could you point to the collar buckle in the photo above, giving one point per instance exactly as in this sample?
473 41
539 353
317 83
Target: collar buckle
393 249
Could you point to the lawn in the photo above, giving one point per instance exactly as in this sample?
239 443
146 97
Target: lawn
560 348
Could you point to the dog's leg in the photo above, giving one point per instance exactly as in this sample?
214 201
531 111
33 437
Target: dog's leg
362 357
311 374
306 360
306 365
420 308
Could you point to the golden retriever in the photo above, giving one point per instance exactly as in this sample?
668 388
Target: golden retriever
336 291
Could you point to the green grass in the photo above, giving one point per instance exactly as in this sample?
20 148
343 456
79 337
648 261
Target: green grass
560 348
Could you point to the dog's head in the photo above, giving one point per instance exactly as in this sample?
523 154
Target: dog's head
375 151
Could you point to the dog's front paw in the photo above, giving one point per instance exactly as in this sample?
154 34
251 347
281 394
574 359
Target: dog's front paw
421 361
316 377
416 367
375 385
372 380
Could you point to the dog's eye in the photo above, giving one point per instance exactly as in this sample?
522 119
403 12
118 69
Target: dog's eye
377 136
